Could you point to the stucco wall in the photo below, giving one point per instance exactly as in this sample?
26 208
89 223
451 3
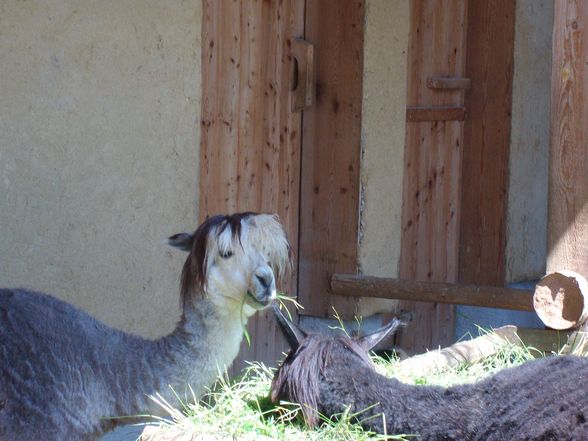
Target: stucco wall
99 140
529 150
383 133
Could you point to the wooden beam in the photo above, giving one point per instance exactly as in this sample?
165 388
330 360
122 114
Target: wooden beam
567 230
420 114
477 349
469 351
448 293
545 340
561 300
448 83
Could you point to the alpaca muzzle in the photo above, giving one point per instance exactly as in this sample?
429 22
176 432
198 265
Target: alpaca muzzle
262 289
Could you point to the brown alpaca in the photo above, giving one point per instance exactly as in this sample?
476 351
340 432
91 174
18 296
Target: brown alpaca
543 399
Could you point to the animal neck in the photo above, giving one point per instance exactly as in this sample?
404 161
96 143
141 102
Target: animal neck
423 410
204 343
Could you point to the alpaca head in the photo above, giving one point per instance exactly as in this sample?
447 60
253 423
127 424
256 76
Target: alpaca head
234 260
313 357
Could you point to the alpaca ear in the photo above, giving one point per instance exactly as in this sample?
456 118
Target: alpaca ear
294 335
368 342
181 241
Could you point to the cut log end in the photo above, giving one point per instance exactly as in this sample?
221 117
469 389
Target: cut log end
561 300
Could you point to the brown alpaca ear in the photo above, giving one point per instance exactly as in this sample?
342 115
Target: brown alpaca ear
181 241
368 342
294 335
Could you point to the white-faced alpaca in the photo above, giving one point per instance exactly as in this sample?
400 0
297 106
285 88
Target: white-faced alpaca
65 375
545 399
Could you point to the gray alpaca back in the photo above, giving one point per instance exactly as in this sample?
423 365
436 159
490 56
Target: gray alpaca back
44 340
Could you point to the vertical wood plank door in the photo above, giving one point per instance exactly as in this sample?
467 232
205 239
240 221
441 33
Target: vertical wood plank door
567 239
486 146
432 168
250 138
331 150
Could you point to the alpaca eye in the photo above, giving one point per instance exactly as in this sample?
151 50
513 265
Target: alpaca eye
226 254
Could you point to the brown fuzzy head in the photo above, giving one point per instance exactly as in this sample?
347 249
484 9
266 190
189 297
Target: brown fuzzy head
299 378
313 358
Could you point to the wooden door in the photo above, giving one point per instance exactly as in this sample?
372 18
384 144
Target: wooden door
250 137
331 155
253 143
432 165
489 66
456 159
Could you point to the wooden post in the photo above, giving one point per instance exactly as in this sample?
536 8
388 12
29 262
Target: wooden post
567 236
560 300
470 351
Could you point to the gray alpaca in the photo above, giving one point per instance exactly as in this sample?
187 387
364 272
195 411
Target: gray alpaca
544 399
66 376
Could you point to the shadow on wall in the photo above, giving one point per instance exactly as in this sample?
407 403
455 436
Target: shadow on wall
470 318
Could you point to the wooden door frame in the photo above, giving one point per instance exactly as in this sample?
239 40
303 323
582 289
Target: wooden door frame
331 156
